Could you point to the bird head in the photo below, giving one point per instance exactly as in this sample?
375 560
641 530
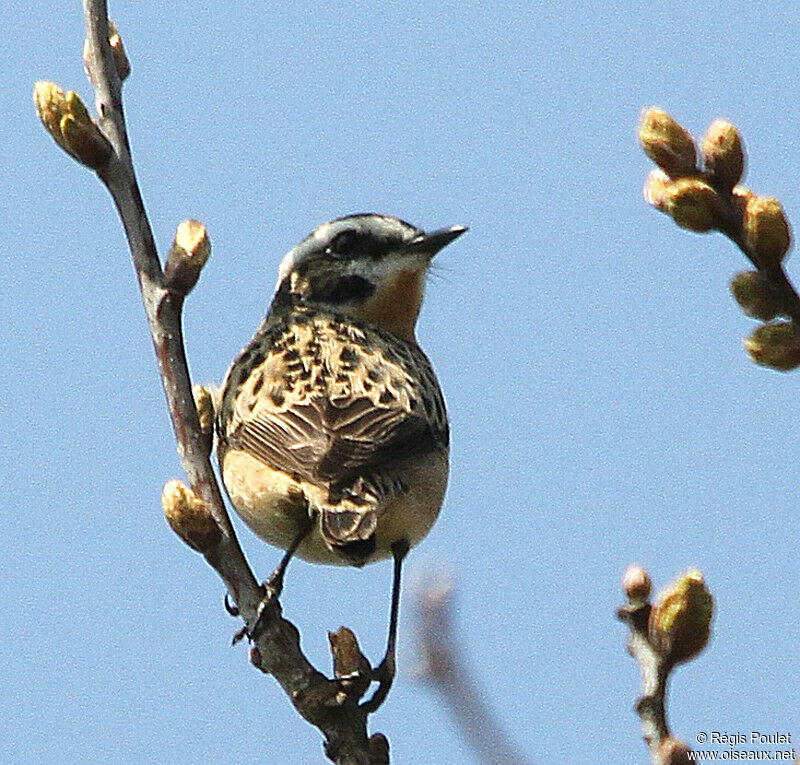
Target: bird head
369 266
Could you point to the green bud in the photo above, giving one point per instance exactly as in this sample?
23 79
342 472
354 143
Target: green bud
755 296
692 204
776 346
667 143
680 622
67 120
724 154
766 231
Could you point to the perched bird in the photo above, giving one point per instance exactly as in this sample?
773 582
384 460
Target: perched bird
332 434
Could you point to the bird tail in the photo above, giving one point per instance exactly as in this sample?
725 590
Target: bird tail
350 531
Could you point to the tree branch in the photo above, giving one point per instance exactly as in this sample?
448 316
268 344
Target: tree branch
446 670
674 630
198 514
651 705
708 196
162 305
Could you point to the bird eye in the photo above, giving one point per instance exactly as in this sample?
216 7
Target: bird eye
343 244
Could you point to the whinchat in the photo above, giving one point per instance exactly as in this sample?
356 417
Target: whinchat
332 433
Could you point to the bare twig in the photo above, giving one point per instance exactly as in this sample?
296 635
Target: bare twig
198 514
445 669
162 305
673 630
651 705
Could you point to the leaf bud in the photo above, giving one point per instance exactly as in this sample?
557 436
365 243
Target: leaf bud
724 154
775 345
667 143
692 204
680 621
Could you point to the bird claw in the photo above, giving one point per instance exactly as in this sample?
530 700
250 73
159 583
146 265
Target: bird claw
273 587
272 591
383 674
230 606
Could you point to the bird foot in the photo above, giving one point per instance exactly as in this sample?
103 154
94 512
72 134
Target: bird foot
273 588
383 674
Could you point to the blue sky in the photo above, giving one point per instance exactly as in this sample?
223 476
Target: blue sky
603 410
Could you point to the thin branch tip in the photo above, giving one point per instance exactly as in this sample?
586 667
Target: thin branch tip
196 510
662 635
189 253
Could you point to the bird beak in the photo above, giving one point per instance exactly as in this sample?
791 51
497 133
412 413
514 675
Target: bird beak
432 242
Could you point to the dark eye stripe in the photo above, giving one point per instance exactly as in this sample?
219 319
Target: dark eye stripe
346 289
351 244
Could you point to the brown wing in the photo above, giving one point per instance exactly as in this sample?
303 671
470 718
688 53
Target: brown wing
332 443
330 403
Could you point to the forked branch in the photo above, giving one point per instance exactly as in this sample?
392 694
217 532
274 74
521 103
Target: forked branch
198 513
662 635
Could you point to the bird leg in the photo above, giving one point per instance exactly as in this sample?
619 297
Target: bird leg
274 584
385 671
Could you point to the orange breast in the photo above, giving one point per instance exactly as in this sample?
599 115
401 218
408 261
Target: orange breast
395 306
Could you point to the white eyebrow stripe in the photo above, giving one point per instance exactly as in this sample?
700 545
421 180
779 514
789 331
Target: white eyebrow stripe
287 264
362 223
293 258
